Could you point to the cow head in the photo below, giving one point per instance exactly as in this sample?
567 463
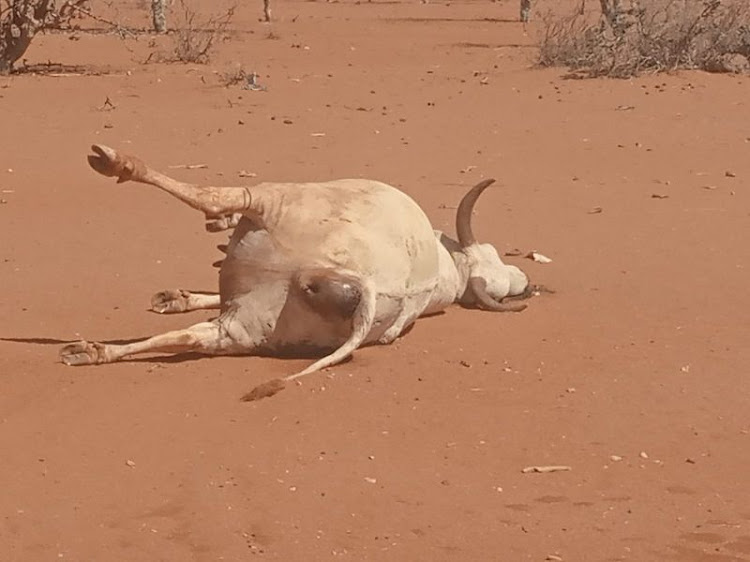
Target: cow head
488 279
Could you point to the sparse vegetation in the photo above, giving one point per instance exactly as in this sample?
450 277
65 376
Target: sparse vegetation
194 37
22 20
238 76
629 38
234 76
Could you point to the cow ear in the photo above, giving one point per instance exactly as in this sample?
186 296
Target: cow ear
329 292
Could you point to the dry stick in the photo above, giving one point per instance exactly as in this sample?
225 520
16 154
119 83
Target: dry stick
545 469
120 29
189 166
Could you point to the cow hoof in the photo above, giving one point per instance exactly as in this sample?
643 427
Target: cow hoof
170 301
82 353
109 162
217 224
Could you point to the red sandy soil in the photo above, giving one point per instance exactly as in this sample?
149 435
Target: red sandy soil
413 451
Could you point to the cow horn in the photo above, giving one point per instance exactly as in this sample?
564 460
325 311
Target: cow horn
465 208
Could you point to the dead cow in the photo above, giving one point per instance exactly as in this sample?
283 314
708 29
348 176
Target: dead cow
316 268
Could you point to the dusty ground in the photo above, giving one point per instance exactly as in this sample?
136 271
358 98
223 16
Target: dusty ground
414 451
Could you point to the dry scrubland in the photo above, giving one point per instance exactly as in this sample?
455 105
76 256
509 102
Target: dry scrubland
634 373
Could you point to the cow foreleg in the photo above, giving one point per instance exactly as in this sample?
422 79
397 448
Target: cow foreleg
206 337
214 202
179 300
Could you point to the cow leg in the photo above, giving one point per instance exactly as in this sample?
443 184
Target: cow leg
404 320
179 300
214 202
210 338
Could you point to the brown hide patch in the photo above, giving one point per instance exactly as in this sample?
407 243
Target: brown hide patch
252 259
329 293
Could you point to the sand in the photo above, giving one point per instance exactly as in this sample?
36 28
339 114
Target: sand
633 374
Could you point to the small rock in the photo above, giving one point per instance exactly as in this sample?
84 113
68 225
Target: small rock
730 174
537 257
130 463
615 458
370 480
643 455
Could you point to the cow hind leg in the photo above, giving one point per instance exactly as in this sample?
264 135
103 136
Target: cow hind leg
172 301
220 203
399 326
206 337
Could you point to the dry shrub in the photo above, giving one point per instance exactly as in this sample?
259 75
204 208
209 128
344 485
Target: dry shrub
22 20
194 37
650 36
234 76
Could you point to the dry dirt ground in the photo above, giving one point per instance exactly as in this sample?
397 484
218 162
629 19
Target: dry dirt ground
634 373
